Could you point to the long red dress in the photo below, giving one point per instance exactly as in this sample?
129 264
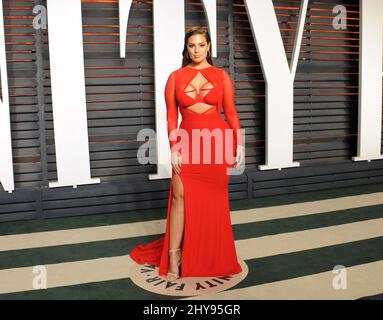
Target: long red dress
208 248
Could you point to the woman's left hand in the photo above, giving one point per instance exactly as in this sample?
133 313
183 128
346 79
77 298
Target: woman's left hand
239 156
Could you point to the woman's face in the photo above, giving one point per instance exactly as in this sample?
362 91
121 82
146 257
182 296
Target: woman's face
198 48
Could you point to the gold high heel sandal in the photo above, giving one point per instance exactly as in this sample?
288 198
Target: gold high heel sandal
175 275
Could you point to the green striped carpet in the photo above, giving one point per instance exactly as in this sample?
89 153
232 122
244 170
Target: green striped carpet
290 243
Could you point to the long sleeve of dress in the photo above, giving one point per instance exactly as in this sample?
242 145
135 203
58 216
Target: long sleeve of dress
229 108
171 108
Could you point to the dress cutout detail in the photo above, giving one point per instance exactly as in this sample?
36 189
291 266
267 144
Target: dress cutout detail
208 248
199 95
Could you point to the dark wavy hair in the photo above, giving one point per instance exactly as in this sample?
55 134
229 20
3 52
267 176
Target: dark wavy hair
185 54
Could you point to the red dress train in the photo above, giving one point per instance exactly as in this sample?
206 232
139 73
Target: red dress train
208 248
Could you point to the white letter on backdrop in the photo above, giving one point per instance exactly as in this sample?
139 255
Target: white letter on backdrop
6 163
168 33
279 78
370 80
68 93
124 10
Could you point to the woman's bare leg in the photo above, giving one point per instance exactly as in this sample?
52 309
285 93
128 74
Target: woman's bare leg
177 220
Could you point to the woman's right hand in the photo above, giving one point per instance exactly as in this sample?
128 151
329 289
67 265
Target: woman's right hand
176 161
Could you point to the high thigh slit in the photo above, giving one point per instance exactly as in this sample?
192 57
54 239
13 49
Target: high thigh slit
208 248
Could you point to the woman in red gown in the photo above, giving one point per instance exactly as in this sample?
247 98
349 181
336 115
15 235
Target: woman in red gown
198 228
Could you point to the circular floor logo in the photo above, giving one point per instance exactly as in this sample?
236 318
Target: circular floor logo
146 277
